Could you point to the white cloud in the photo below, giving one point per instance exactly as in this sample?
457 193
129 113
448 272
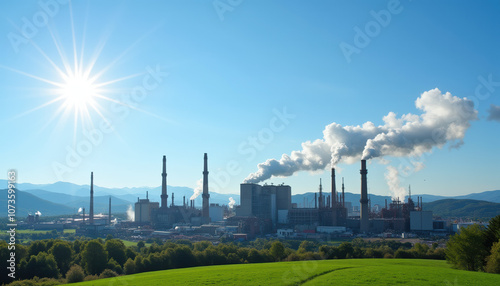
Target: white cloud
444 119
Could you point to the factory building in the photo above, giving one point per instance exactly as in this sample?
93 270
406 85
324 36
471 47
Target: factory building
265 202
273 203
144 210
216 212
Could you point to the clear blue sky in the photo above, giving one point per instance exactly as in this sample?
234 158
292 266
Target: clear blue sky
225 70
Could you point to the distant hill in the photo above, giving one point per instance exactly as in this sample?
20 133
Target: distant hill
489 196
28 203
451 208
72 196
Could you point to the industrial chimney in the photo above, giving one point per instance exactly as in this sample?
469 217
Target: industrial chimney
364 198
334 190
164 195
109 215
91 212
334 200
320 199
343 195
205 195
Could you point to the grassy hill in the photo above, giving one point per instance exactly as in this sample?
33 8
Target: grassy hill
323 272
463 208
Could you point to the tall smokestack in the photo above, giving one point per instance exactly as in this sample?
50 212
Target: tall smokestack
320 200
172 199
184 201
91 212
109 215
205 195
334 200
364 198
315 200
84 215
164 195
343 195
334 190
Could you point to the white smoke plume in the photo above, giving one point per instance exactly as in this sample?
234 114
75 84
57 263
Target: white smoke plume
130 213
198 190
79 210
231 202
444 119
38 213
392 179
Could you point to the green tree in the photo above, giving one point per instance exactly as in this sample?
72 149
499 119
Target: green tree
41 265
62 253
140 245
37 247
493 261
277 250
75 274
465 250
116 250
492 232
129 267
345 250
113 265
306 246
95 257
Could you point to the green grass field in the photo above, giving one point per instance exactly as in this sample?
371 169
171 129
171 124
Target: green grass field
323 272
133 243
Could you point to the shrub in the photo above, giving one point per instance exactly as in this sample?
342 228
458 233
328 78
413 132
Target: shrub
493 261
91 277
75 274
108 273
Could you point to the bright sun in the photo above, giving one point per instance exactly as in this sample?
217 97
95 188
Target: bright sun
78 92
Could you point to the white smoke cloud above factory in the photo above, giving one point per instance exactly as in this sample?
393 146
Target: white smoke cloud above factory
444 119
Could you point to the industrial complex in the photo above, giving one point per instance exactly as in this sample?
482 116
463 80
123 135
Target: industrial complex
264 210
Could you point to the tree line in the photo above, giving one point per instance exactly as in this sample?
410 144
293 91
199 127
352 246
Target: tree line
55 261
476 248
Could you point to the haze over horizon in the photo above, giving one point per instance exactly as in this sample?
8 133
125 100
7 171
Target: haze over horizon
265 89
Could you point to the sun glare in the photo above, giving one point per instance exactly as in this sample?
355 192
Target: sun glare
78 92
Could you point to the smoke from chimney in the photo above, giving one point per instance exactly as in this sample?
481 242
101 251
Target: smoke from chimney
130 213
231 202
444 119
198 190
392 179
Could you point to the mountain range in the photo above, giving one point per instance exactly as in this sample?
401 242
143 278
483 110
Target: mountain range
66 198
